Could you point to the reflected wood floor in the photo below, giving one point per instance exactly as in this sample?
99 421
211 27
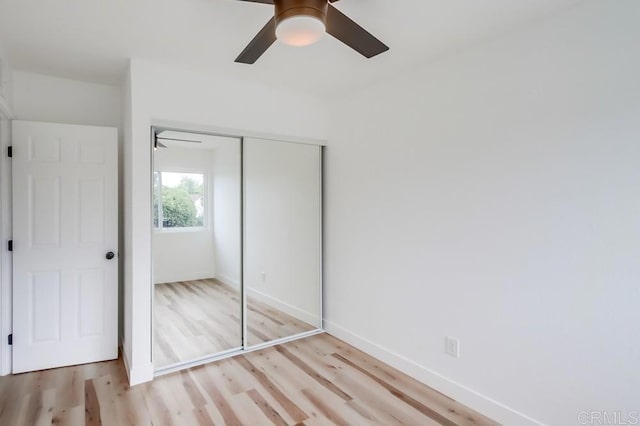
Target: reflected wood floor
199 318
318 380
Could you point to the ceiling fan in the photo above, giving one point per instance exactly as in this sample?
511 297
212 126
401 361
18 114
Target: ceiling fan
303 22
157 137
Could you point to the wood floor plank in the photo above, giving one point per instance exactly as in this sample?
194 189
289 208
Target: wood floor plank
106 395
428 411
280 370
312 373
247 411
131 409
378 400
74 416
202 416
290 407
190 387
91 405
328 412
270 412
203 317
218 399
319 380
441 403
288 377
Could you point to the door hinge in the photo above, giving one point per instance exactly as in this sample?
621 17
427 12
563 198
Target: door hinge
10 339
10 245
10 151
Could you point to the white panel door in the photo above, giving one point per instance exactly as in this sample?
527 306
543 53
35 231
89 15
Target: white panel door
65 227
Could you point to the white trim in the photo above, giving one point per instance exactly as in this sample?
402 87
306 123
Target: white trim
141 374
461 393
180 230
241 135
6 232
231 132
125 359
282 306
191 276
284 340
178 366
5 111
227 280
243 244
231 353
321 234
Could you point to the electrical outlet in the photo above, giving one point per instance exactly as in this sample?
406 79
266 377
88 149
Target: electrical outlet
452 347
263 277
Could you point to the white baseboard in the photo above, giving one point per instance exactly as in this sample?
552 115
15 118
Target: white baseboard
469 397
225 279
141 374
125 360
138 375
288 309
191 276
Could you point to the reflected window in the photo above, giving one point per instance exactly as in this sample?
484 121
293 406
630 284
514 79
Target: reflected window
179 200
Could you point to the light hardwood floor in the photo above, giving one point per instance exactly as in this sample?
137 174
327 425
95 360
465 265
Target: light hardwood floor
199 318
318 380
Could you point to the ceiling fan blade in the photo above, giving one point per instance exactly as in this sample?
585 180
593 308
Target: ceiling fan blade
352 34
263 1
176 140
260 43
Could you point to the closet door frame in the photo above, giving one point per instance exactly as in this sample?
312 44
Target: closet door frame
161 125
320 329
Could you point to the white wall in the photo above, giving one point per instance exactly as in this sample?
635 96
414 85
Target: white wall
282 226
493 197
39 97
184 255
199 101
6 82
226 212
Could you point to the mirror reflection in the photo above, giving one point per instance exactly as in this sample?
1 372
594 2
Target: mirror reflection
282 238
196 217
236 223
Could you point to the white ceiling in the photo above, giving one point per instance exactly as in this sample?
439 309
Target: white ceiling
92 39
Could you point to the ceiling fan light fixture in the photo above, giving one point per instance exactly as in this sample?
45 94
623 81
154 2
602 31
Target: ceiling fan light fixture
300 30
303 22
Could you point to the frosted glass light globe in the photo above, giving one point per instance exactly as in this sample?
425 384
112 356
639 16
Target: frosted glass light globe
300 30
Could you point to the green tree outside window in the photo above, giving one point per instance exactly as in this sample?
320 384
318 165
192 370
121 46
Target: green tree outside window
182 203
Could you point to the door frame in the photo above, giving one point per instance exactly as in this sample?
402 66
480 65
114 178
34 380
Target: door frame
6 232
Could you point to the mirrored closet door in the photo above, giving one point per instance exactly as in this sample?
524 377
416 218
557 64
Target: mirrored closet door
282 239
196 246
237 245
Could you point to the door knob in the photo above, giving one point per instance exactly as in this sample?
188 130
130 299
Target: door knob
110 255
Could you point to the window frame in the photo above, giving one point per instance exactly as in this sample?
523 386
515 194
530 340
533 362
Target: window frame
205 205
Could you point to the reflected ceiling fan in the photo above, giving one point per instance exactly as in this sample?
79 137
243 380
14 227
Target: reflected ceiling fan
157 137
303 22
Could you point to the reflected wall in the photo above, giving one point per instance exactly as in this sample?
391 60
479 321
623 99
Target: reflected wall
196 217
282 238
